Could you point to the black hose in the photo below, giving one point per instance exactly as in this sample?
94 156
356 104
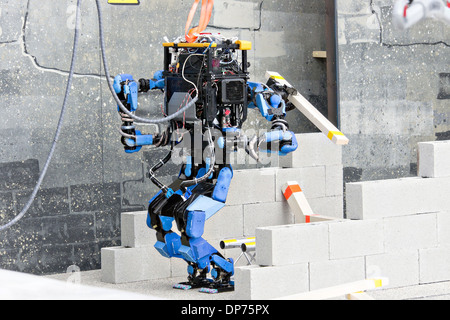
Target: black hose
58 129
158 166
189 183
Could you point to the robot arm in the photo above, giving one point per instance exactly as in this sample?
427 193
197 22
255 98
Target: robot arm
127 90
409 12
157 82
272 105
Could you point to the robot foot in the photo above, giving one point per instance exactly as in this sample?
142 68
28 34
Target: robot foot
197 279
192 285
217 287
222 272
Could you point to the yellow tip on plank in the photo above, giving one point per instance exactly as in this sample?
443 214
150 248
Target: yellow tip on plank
277 77
332 134
338 137
378 282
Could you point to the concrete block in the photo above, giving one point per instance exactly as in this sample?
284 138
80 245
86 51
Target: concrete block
252 186
315 149
396 197
334 180
434 264
401 268
292 244
125 265
135 232
331 273
433 159
356 238
178 268
410 232
227 223
443 226
311 180
328 206
265 215
263 283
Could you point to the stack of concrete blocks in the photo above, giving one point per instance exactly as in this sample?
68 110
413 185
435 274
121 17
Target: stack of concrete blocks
254 200
396 229
136 260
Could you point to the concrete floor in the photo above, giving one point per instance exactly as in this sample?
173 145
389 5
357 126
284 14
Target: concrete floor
163 289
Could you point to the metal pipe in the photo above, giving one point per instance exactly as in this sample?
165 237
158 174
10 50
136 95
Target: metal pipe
235 243
248 247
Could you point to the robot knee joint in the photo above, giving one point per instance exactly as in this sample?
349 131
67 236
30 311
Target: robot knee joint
170 248
195 224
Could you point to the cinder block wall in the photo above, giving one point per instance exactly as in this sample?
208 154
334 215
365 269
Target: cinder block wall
396 229
255 200
393 89
91 181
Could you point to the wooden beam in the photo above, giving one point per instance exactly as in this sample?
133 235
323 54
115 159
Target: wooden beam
305 107
299 204
359 296
320 54
341 290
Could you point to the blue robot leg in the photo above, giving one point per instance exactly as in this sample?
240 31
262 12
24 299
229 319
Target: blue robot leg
162 213
204 256
168 242
191 211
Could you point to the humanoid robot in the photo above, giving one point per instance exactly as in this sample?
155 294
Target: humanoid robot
207 94
406 13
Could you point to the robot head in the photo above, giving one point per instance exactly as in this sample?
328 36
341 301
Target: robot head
215 70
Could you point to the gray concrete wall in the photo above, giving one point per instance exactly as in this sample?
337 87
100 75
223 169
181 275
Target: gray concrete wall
394 89
91 180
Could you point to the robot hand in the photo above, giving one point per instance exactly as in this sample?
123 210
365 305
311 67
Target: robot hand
127 90
285 142
125 84
135 143
157 82
406 13
275 141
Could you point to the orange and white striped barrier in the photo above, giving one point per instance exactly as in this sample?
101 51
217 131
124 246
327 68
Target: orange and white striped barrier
300 205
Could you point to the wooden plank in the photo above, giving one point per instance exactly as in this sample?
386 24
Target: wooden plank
320 54
305 107
359 296
297 201
341 290
300 205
